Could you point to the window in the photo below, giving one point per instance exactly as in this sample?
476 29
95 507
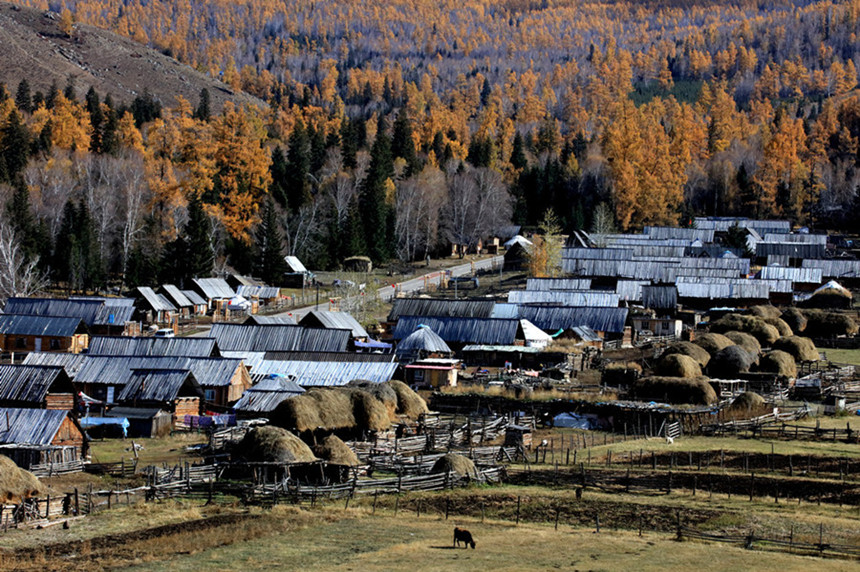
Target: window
209 395
55 344
419 375
21 343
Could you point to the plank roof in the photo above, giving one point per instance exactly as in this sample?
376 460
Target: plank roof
564 298
554 318
194 297
114 370
267 394
280 337
51 326
441 307
558 284
422 339
163 385
176 296
493 331
152 346
155 301
71 363
22 426
334 320
93 311
214 288
31 383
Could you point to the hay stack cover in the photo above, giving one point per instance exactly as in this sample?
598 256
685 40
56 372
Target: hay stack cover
730 361
778 362
746 341
748 401
712 343
274 445
676 390
456 465
336 452
765 312
409 403
678 365
802 349
16 484
795 319
690 349
763 332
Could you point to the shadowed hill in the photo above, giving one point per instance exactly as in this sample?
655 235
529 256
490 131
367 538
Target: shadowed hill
35 48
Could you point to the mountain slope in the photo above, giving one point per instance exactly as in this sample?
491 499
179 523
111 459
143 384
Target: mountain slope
33 47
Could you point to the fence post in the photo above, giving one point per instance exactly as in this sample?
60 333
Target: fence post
597 522
518 510
77 507
557 510
678 524
447 506
752 485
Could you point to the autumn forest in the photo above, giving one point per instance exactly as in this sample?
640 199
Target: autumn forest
394 128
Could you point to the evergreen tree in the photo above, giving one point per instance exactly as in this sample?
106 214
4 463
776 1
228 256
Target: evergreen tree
481 151
486 91
76 258
402 144
15 144
278 169
96 119
173 267
317 149
349 143
23 100
21 219
203 111
51 99
70 92
270 266
110 141
200 260
374 206
298 167
518 153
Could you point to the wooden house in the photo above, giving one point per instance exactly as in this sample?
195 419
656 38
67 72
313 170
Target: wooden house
433 372
173 390
36 386
40 436
335 321
198 303
184 307
103 316
213 290
144 421
23 333
156 308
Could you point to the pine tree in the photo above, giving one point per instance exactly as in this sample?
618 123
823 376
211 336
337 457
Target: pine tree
278 188
200 257
518 153
21 219
349 143
96 120
374 207
14 146
203 111
270 247
23 100
53 92
298 168
316 137
402 144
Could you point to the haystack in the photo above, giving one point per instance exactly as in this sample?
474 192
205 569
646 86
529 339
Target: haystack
455 464
763 332
747 401
828 324
765 312
690 349
409 403
16 484
678 365
677 390
778 362
730 361
620 373
712 343
801 349
332 409
830 295
369 413
781 326
795 319
381 391
274 445
336 452
746 341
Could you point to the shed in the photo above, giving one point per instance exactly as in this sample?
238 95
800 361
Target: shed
278 337
38 386
38 436
517 253
151 346
358 264
433 372
144 421
104 316
327 369
555 318
213 289
156 307
179 300
199 303
266 395
334 321
462 331
280 319
30 333
423 342
173 390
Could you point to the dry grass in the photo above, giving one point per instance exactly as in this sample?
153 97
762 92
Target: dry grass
16 483
537 394
678 365
802 349
168 450
274 445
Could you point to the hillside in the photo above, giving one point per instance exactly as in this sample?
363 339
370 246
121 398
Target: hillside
36 49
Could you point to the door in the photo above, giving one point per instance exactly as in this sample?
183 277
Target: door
38 347
110 391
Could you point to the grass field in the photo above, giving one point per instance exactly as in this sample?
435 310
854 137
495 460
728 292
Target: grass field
842 356
155 451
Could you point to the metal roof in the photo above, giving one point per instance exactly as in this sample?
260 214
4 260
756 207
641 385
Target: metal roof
329 356
329 373
796 275
663 232
723 224
176 296
53 326
30 383
295 265
724 290
214 288
422 339
496 331
834 268
660 297
71 363
93 311
503 349
336 321
554 318
114 370
155 301
263 338
268 320
441 307
264 292
194 297
564 298
266 395
792 249
158 385
30 426
558 284
630 290
151 346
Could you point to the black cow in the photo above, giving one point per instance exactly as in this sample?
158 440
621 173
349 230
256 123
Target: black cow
462 535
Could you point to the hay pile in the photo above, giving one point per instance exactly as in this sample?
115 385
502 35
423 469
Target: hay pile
16 484
336 452
828 324
747 401
778 362
381 391
331 409
409 403
801 349
456 465
690 349
676 390
620 373
729 362
274 445
795 319
746 341
781 326
678 365
712 343
831 295
763 332
765 312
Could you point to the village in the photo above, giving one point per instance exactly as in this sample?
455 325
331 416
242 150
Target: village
715 360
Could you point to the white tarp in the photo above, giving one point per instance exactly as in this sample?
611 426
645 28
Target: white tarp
534 336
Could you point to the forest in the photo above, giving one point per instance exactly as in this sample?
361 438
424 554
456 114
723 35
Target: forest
393 129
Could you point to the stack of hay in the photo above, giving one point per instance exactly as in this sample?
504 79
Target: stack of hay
828 324
676 390
409 403
274 445
16 484
801 349
678 365
748 402
621 373
455 465
698 353
731 361
795 319
336 452
764 332
712 343
778 362
831 295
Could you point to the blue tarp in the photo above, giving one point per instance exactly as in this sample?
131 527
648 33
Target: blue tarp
373 344
90 422
571 420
